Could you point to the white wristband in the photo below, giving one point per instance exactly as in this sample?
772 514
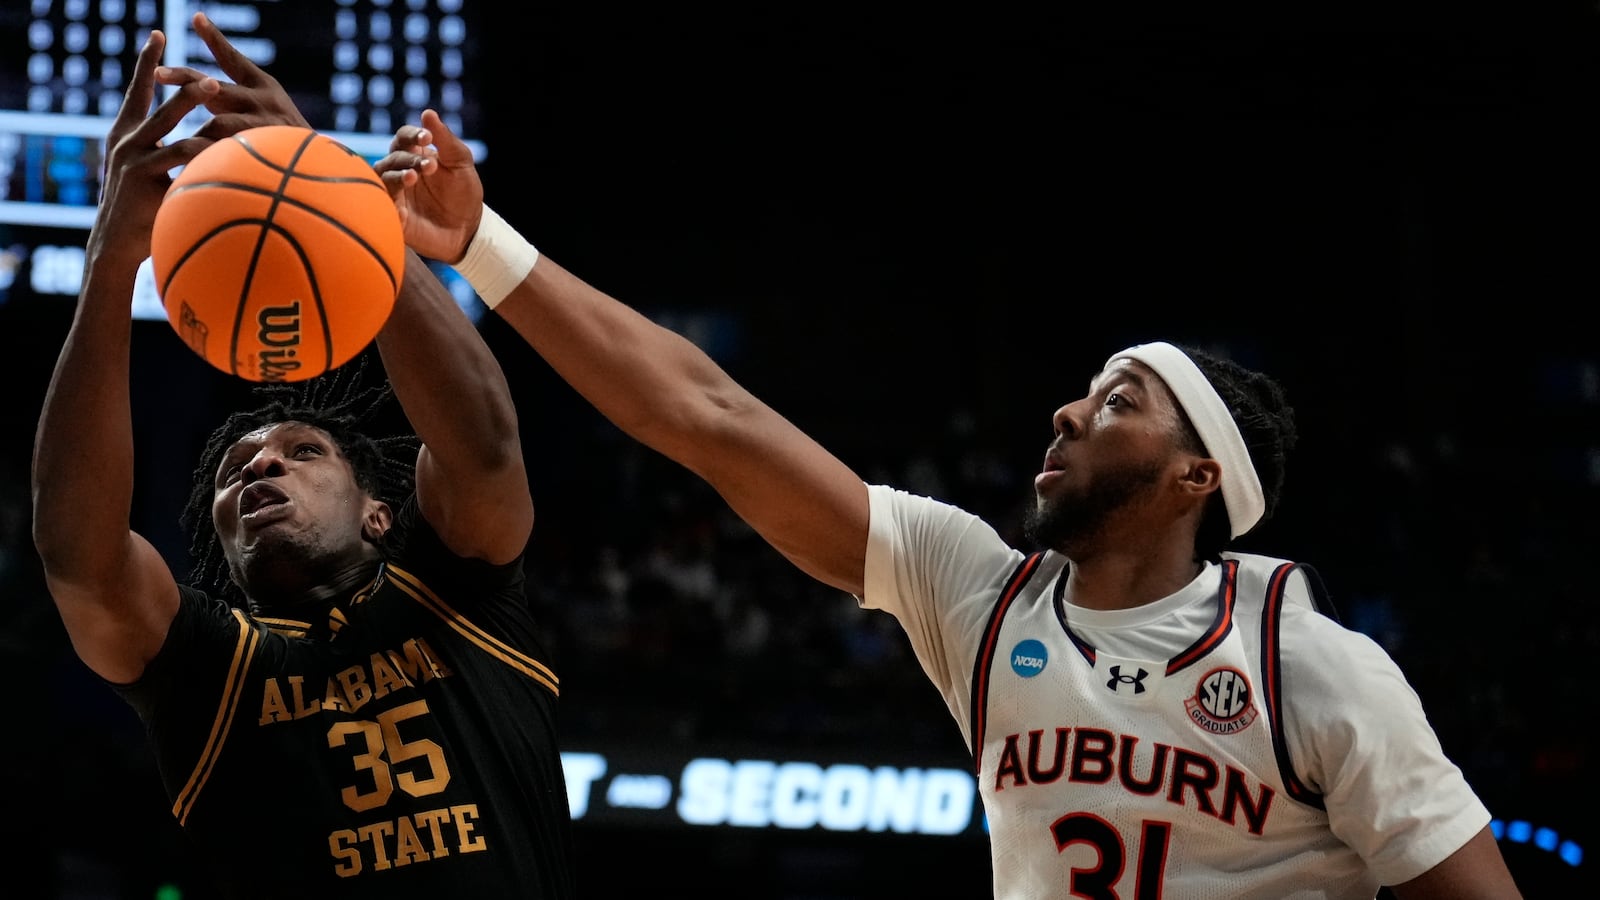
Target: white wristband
497 259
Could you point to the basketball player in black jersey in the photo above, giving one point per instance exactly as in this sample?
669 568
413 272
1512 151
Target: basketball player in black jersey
350 698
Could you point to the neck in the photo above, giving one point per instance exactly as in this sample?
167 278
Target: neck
296 589
1113 581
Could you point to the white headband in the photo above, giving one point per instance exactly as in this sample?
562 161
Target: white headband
1241 486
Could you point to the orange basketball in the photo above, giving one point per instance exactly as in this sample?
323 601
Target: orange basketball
278 254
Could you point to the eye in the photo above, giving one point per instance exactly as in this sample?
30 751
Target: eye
229 473
305 449
1115 399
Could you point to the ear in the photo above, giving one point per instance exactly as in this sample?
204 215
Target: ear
375 524
1202 478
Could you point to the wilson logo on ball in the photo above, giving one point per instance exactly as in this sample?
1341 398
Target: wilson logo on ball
278 254
278 333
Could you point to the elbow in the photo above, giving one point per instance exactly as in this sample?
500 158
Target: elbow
501 448
697 424
504 458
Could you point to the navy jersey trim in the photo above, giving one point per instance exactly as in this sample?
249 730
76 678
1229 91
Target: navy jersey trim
1272 667
244 652
991 635
1221 625
413 587
1321 598
1059 604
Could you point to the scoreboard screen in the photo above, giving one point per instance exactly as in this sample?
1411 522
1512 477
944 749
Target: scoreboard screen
357 69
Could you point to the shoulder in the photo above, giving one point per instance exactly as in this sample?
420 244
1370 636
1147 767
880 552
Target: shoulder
1319 654
414 538
1339 678
200 613
909 514
204 638
415 547
1294 584
912 532
921 546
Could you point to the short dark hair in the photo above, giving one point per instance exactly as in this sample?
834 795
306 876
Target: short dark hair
336 402
1261 409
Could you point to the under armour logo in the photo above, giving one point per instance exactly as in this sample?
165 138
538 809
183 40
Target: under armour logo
1118 679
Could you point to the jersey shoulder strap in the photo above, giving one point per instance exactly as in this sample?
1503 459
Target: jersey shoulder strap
1257 574
1033 564
1267 585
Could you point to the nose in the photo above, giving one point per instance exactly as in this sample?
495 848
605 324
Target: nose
1068 420
267 463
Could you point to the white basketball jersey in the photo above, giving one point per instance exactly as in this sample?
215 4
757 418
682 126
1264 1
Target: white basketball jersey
1144 779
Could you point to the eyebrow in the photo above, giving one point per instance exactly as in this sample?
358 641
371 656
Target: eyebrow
1126 373
241 441
246 439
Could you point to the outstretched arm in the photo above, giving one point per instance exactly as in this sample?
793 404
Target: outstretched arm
115 593
654 384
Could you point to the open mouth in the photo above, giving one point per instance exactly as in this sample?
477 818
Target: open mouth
260 496
1052 463
1053 467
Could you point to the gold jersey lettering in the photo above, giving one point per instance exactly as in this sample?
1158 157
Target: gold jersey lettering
373 835
346 856
278 707
354 688
433 822
286 697
332 698
297 692
385 678
466 817
417 661
417 838
408 844
273 707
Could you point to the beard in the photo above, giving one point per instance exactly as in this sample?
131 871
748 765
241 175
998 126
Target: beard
279 572
1070 520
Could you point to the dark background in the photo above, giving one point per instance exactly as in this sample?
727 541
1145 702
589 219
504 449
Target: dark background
917 234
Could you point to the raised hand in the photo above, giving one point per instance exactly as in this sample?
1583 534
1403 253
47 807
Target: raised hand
431 175
138 160
252 98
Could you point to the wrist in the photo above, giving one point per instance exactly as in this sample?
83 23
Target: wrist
497 259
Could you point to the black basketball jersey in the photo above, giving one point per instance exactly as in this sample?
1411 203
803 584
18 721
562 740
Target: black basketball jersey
400 742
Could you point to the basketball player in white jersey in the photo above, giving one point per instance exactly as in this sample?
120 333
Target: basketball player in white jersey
1149 715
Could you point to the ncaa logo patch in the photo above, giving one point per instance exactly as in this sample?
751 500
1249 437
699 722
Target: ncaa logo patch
1223 702
1028 658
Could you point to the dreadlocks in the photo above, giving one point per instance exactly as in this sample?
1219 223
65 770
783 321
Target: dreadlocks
338 403
1266 422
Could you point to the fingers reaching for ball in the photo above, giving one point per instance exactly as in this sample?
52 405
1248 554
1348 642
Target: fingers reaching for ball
412 138
251 98
140 124
453 151
433 179
411 155
138 157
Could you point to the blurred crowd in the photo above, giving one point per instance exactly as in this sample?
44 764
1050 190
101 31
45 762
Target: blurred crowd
1460 549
